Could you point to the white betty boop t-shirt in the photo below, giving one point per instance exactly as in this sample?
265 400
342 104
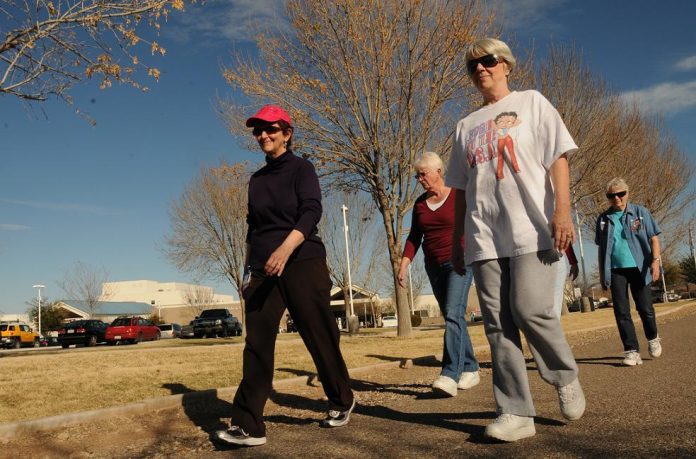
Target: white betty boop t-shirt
501 158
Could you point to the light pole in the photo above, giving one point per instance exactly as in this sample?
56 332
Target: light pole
344 209
582 251
39 287
664 286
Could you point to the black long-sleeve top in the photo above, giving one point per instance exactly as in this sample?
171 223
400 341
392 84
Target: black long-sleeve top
284 195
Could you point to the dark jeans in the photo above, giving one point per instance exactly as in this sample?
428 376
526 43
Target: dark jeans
621 280
304 288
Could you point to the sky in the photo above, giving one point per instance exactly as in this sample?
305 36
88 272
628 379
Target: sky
100 194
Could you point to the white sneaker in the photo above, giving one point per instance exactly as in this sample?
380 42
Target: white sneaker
632 359
237 436
445 385
337 418
468 379
654 347
509 427
572 400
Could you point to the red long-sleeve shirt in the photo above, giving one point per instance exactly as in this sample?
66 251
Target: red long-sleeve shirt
433 228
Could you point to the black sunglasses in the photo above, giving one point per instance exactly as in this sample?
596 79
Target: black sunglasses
618 194
488 61
270 130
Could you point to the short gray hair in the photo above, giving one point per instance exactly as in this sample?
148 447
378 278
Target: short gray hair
430 159
485 46
617 182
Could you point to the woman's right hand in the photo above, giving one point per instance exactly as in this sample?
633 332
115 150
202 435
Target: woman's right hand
402 275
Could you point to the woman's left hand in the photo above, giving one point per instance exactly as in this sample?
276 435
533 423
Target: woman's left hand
563 231
655 267
276 262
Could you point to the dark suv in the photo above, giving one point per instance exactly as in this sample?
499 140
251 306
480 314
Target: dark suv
216 322
87 332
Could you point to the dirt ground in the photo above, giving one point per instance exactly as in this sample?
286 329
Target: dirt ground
646 411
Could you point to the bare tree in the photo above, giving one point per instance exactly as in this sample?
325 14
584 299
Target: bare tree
198 298
370 85
208 235
366 244
49 45
86 284
616 139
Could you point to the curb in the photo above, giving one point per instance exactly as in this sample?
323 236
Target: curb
8 431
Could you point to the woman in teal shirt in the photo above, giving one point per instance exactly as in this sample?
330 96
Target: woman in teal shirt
629 256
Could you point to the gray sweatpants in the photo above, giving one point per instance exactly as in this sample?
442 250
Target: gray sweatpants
517 293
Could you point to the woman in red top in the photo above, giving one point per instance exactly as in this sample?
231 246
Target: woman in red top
432 223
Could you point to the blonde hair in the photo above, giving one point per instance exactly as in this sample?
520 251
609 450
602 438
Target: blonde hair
485 46
430 159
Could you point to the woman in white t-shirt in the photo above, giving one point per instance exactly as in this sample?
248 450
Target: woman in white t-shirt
509 167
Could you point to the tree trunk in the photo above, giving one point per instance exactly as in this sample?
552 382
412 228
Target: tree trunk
394 245
402 309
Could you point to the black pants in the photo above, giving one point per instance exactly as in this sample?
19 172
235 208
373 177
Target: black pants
621 279
304 289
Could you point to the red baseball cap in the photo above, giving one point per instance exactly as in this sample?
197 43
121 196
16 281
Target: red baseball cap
269 114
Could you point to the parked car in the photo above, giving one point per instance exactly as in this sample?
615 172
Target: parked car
605 303
169 330
575 305
216 322
14 335
187 331
86 332
389 321
657 296
131 330
673 297
49 340
475 316
290 326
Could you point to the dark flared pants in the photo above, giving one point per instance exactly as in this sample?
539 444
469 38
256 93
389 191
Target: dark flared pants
621 280
304 288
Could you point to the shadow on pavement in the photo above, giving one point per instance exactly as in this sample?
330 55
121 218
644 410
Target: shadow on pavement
612 361
204 408
429 361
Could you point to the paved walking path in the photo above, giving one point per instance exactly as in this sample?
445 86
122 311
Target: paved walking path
644 411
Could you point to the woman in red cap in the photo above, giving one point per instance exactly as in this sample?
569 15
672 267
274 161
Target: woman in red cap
286 266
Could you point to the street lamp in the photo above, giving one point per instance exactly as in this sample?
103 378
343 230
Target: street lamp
350 282
39 287
582 251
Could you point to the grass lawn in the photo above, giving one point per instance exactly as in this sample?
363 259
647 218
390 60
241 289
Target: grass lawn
47 383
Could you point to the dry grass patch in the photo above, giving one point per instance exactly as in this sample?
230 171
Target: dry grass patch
41 384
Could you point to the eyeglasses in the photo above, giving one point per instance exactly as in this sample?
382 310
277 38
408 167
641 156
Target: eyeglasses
420 175
618 194
270 130
488 61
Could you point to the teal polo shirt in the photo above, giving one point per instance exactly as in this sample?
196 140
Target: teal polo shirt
621 256
637 228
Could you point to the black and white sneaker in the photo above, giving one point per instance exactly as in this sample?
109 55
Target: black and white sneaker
338 418
237 436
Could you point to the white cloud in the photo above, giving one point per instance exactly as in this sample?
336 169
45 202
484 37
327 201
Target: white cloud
666 98
228 20
63 207
688 63
12 227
